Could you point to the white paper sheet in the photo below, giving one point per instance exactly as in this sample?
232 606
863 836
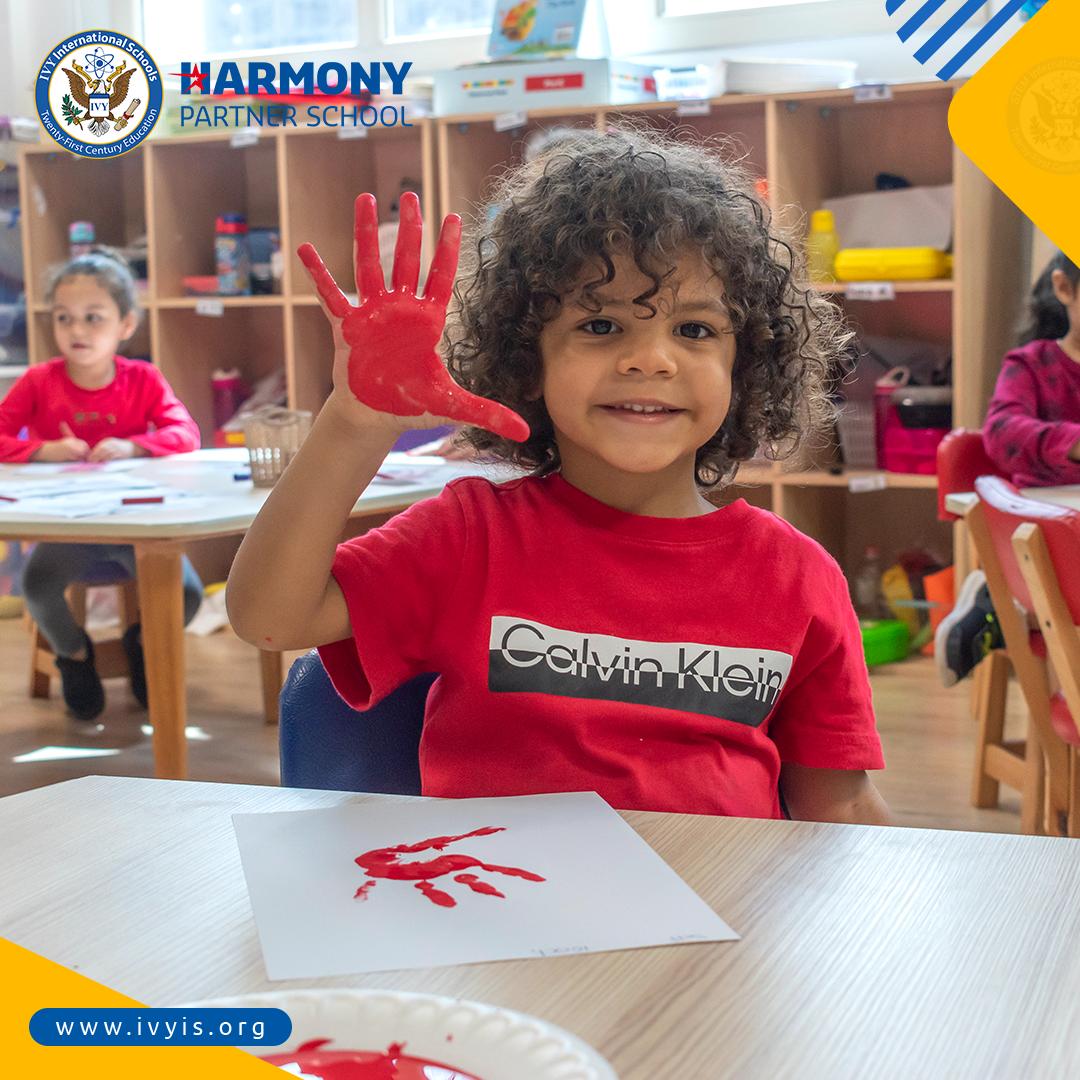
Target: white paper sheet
95 503
603 887
31 486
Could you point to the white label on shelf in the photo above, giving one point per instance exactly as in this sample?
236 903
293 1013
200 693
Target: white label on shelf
873 92
693 108
867 482
507 121
357 131
209 307
244 137
870 290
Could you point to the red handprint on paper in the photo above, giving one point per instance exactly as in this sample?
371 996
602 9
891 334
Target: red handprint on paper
386 863
391 336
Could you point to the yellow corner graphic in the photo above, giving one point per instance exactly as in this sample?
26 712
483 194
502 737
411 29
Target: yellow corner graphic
1018 120
30 982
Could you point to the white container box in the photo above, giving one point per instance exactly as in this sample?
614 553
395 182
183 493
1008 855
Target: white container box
787 76
541 84
696 82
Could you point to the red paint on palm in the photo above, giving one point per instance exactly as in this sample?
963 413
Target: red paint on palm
393 334
394 1064
386 863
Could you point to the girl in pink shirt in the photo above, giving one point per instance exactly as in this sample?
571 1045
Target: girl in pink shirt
91 405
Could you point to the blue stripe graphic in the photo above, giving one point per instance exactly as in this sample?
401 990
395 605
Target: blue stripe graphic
980 39
892 6
918 19
948 30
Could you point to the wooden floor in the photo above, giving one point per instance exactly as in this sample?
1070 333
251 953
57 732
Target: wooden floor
926 730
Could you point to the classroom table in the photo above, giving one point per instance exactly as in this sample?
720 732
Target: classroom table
866 951
219 505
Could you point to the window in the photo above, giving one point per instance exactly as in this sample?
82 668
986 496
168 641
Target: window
229 27
713 7
435 18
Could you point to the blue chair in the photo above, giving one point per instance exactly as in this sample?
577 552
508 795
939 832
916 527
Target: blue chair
325 744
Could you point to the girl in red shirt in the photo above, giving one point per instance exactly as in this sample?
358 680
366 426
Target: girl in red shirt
1032 433
91 405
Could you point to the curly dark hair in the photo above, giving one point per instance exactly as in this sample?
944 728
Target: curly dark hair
644 194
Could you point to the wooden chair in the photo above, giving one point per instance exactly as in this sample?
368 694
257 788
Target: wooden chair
1039 765
961 458
109 656
1048 549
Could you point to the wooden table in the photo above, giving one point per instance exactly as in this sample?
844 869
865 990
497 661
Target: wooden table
866 952
219 506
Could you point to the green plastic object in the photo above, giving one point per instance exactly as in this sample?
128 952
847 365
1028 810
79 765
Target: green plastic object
884 641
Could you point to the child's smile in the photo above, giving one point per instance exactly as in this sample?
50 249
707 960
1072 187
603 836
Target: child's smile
633 397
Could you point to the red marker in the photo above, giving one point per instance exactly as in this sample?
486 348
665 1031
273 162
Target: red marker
139 500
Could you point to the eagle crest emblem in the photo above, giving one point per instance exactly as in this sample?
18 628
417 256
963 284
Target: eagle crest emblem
98 96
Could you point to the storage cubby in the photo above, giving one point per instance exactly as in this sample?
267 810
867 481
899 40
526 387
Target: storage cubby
737 125
831 144
323 176
190 346
193 180
59 188
313 353
473 152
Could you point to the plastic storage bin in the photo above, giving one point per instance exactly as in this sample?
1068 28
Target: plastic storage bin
891 264
884 641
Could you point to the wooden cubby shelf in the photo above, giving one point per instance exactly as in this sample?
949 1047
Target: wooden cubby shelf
808 147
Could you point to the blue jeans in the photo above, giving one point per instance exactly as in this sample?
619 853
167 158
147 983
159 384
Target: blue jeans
51 568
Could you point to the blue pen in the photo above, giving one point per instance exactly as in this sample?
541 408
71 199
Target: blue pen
242 476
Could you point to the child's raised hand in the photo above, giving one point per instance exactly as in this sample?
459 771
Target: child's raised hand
385 348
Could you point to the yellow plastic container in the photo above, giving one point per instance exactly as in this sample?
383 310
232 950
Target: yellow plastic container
891 264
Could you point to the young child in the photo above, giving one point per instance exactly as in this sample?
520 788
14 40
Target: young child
597 624
1032 434
89 404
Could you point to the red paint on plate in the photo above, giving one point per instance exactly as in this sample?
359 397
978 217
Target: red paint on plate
392 1064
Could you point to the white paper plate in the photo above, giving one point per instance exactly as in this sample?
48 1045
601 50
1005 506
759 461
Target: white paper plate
487 1041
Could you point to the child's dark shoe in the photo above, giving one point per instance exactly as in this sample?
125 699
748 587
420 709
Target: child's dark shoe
968 633
132 643
81 685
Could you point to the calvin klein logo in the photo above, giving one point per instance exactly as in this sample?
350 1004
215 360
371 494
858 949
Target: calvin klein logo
733 683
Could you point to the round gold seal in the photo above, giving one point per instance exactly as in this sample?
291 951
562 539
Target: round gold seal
1044 115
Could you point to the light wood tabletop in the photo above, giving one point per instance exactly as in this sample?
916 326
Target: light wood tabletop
216 504
865 952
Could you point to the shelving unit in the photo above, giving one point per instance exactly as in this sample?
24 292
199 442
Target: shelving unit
808 147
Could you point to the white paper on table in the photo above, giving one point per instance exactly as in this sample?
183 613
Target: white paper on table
17 488
604 888
96 503
49 468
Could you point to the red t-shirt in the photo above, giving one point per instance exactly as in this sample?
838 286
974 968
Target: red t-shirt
138 405
668 664
1034 416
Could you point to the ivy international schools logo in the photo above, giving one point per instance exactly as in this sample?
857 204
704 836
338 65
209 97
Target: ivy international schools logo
98 93
1044 115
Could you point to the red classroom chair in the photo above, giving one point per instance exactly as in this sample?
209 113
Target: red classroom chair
1047 546
961 459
